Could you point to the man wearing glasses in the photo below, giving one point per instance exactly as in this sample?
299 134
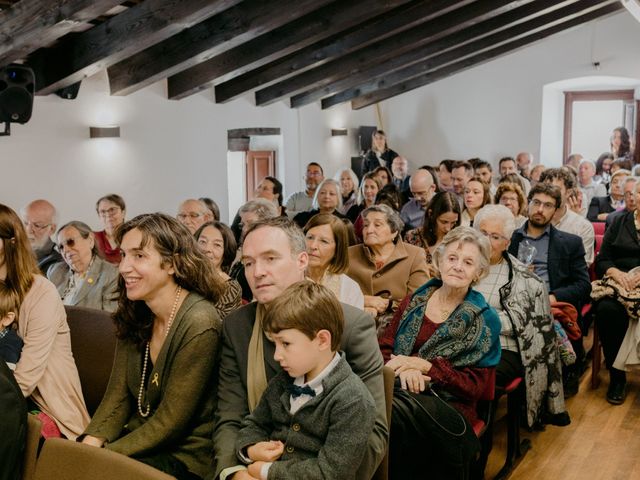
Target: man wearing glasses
557 258
193 214
39 218
301 201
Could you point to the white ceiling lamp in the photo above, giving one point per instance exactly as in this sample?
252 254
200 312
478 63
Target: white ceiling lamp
633 6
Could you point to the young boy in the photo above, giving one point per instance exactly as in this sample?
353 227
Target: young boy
315 417
10 343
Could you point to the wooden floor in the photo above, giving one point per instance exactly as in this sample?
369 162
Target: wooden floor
602 442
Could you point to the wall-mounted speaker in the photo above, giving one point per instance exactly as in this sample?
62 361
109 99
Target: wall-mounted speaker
17 85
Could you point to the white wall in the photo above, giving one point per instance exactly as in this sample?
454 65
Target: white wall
170 150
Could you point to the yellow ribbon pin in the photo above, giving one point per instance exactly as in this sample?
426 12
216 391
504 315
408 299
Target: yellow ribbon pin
155 379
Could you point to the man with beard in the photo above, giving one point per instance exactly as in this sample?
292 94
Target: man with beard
558 260
39 218
301 201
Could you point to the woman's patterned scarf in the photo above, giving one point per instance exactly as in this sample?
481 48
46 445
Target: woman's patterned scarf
470 336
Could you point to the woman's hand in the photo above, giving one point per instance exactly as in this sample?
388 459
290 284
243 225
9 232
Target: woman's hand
413 380
380 304
629 282
266 451
401 363
93 441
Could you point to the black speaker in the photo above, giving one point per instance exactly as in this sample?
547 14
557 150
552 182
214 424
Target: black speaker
17 85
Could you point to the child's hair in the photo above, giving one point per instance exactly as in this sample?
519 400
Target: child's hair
8 302
308 307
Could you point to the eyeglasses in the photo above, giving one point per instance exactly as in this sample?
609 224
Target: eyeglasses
36 226
109 212
493 236
535 203
314 174
192 215
69 242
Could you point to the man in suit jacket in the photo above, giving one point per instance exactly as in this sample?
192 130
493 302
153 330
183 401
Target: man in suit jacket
274 256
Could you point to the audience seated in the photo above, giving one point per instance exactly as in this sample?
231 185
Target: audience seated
476 196
461 173
83 279
275 257
269 189
445 168
384 175
423 187
506 166
158 406
327 241
557 258
536 171
616 305
369 188
511 196
527 335
111 210
564 218
601 207
629 196
442 339
384 266
193 214
573 161
484 170
301 201
46 372
39 218
442 216
591 188
212 206
603 168
326 200
524 162
348 184
217 243
401 177
380 155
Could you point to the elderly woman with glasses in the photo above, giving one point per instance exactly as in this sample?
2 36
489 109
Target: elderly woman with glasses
527 335
111 210
83 279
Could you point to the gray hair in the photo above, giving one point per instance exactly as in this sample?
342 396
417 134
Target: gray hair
329 181
294 233
466 235
83 229
352 174
393 218
263 208
496 212
590 162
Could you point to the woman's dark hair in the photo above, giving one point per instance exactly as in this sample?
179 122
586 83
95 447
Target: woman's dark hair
600 162
448 164
486 193
389 195
18 256
389 174
442 202
434 174
568 178
625 142
230 246
212 206
277 188
113 198
622 163
85 232
548 189
515 188
380 132
177 247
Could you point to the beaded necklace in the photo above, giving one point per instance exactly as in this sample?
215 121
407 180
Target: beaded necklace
145 414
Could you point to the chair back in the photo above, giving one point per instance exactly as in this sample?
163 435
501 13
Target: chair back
598 227
93 343
382 473
34 426
64 459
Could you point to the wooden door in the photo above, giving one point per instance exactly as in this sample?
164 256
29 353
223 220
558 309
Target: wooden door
259 165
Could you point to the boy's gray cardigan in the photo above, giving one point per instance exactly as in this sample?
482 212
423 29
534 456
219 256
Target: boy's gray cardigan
326 438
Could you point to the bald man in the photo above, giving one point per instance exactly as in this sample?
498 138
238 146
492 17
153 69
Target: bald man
193 214
524 160
422 187
39 218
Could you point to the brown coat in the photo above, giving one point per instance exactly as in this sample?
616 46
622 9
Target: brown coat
405 270
46 371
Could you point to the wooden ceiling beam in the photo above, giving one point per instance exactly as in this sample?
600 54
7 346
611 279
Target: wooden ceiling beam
80 55
298 34
215 35
32 24
380 27
378 52
422 59
483 57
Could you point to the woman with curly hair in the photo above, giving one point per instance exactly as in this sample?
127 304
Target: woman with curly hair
158 407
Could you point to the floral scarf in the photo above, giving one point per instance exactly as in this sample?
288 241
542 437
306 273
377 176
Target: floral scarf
469 337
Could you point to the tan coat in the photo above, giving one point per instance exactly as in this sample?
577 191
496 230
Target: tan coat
46 371
405 270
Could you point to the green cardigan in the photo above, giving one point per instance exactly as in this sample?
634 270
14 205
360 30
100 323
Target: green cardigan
183 400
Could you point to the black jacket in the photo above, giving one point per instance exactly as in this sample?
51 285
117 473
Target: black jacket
620 246
371 162
599 205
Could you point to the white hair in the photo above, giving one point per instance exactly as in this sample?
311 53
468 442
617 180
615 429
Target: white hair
352 174
496 212
326 181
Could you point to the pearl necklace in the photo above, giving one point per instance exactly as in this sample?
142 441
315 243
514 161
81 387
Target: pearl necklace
145 414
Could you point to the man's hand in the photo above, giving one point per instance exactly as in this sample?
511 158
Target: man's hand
255 468
266 451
